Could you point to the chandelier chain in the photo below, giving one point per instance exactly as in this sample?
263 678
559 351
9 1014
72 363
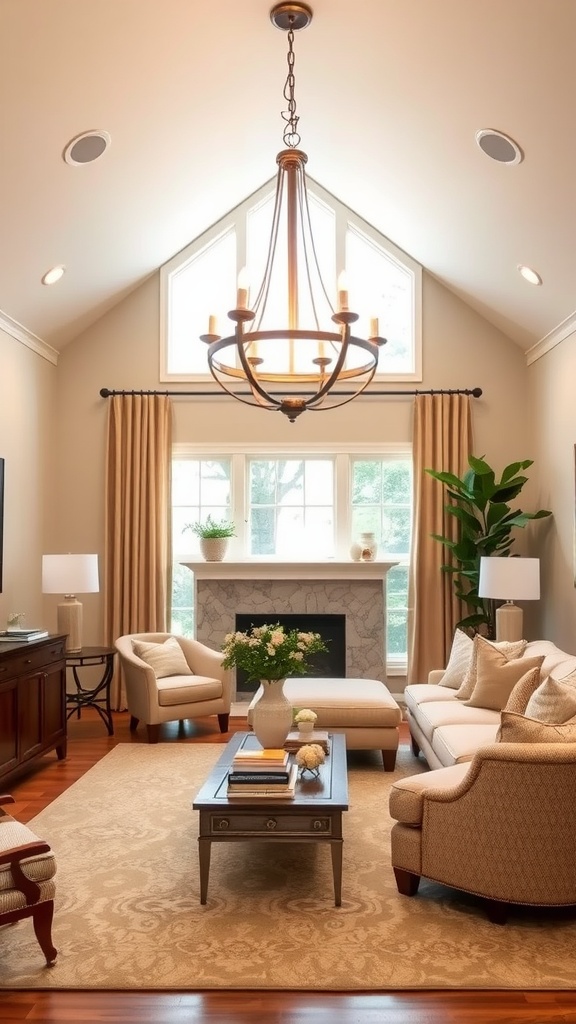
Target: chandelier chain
290 136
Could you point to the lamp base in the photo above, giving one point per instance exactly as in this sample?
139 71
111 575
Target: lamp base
69 617
509 622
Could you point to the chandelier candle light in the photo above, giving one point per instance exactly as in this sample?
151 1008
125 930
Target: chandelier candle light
291 368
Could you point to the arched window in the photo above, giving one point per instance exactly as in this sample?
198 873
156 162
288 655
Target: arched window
200 282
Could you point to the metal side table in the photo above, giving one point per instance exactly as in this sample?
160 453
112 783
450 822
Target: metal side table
97 696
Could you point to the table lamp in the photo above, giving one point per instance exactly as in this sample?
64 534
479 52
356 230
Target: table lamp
509 579
70 575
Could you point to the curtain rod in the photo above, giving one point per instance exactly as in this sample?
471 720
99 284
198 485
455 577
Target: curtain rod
475 392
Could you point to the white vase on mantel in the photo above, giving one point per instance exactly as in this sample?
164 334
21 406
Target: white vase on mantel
213 549
365 549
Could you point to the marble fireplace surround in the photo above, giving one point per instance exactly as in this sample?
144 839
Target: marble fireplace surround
355 589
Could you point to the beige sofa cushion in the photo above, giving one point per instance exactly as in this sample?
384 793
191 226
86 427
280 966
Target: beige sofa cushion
167 659
459 660
522 692
494 683
453 744
484 647
519 729
554 700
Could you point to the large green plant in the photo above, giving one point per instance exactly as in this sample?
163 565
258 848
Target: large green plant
480 503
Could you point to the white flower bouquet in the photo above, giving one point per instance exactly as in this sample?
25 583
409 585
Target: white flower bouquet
268 652
305 715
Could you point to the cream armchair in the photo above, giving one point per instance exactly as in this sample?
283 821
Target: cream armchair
501 826
155 698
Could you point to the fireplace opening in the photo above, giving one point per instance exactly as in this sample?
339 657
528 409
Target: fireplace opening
325 664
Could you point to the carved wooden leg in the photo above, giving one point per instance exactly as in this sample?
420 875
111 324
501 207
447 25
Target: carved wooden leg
223 722
389 758
407 882
153 733
133 723
497 912
42 920
415 747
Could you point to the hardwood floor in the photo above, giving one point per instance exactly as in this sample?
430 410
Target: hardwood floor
88 743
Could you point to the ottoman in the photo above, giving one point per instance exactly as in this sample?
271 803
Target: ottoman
363 709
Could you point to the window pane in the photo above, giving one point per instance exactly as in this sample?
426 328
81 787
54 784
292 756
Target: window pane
200 487
204 287
380 287
292 507
182 621
367 482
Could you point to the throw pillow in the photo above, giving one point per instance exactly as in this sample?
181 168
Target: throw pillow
522 692
459 660
167 659
519 729
506 648
553 701
495 681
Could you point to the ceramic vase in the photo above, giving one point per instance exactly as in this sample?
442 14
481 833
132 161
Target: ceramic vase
272 714
305 728
213 549
369 547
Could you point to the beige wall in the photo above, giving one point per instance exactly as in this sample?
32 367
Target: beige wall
554 407
121 351
27 427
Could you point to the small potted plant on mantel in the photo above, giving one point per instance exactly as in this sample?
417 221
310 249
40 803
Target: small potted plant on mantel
213 537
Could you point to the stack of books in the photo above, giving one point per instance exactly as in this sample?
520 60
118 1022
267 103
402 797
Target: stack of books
262 773
295 740
18 636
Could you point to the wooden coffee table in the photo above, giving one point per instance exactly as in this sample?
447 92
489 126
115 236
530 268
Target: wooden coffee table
313 816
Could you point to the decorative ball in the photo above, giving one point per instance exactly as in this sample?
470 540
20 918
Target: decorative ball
310 755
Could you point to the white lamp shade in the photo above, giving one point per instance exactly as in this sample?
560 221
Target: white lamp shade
70 574
509 579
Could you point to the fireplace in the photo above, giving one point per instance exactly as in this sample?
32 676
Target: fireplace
354 591
332 629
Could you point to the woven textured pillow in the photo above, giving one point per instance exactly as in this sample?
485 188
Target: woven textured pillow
554 700
519 729
506 648
166 659
494 683
522 692
459 660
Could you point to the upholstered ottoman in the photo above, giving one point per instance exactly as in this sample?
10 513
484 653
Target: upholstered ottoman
363 709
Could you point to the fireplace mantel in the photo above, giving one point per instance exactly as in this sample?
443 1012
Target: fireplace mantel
255 569
356 590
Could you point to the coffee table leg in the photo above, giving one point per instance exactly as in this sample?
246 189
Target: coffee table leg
336 851
204 850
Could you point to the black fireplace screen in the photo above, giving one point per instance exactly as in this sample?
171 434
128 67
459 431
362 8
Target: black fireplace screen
325 664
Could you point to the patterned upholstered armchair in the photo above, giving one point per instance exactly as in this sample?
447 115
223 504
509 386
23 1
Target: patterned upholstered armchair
502 826
27 869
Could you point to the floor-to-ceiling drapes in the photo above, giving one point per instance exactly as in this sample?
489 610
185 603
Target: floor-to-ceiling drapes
442 440
137 528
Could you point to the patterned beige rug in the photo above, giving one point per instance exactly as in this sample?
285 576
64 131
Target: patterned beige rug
128 914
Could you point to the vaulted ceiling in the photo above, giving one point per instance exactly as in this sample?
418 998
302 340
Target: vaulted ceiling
390 93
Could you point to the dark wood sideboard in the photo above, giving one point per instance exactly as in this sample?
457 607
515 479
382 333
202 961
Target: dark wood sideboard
32 704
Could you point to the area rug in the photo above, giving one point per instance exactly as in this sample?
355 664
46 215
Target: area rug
128 914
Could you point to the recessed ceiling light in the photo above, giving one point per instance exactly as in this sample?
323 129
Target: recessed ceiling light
86 148
498 146
53 275
529 275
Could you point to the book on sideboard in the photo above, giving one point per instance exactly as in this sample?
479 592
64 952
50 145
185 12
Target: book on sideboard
20 636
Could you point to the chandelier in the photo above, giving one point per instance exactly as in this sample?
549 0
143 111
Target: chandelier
293 367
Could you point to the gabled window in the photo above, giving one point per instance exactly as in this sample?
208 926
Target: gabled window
200 282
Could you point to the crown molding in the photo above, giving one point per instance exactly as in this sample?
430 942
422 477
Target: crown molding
549 341
25 337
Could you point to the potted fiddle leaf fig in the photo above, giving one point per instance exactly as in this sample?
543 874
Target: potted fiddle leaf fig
481 504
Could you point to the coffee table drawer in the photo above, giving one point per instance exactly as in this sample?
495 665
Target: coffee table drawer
249 823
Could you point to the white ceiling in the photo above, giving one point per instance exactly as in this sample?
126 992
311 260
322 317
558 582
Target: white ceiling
390 94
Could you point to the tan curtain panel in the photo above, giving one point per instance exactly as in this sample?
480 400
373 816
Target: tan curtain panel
442 440
138 542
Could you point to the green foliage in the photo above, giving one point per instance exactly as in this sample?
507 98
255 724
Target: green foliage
268 652
211 529
480 503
